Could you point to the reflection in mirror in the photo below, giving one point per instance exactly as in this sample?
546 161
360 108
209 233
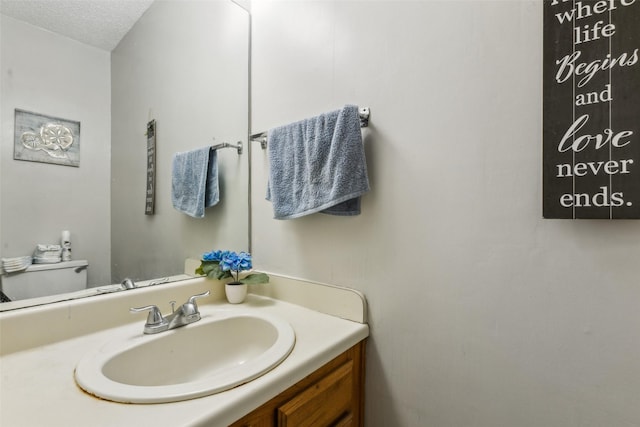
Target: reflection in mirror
184 64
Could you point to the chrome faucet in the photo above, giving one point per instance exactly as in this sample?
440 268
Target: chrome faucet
186 313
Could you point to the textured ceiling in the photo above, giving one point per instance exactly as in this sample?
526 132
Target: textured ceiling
99 23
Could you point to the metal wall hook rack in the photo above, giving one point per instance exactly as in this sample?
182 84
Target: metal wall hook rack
363 112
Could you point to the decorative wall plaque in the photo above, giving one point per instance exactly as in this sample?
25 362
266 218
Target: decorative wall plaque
151 169
46 139
591 137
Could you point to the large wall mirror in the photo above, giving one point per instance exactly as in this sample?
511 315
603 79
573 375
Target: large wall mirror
184 64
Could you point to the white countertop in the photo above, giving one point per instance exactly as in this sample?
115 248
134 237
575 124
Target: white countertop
37 385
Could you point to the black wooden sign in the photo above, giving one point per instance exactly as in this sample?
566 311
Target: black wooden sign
591 89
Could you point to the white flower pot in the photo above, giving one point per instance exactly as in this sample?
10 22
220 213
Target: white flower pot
236 292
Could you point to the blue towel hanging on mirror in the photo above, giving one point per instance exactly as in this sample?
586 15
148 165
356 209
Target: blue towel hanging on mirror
194 182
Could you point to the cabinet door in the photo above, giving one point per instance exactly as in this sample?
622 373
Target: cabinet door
261 417
345 421
319 399
325 403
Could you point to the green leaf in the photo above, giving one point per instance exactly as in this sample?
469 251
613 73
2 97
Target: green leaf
255 278
218 273
212 270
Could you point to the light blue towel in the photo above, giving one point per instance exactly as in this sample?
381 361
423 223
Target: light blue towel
317 165
194 183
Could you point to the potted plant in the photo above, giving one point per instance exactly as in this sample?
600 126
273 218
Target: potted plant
224 264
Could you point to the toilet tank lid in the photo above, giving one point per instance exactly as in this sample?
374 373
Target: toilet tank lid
58 265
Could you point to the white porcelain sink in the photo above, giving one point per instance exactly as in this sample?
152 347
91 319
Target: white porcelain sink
217 353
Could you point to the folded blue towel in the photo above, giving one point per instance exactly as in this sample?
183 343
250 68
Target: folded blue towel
317 165
194 183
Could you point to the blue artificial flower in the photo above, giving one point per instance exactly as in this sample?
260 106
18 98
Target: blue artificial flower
236 262
209 256
244 261
223 264
214 255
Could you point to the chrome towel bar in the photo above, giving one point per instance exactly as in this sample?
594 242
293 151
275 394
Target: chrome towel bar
237 146
363 112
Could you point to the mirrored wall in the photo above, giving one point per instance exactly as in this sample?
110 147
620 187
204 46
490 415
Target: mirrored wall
183 65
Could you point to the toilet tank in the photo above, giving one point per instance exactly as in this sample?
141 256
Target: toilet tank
40 280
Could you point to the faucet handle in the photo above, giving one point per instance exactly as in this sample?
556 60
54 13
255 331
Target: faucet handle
190 308
192 299
154 317
127 283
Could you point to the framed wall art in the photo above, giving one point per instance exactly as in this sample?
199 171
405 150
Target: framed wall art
46 139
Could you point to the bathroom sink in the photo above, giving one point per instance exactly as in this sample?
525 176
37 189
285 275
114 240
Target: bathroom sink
219 352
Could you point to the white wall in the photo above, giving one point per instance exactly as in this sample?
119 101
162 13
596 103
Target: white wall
54 75
481 312
183 64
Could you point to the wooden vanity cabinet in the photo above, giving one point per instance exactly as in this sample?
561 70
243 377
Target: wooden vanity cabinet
331 396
